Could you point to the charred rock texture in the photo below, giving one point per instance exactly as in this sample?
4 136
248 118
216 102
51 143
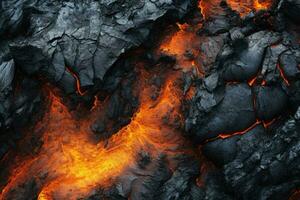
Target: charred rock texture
115 107
245 112
72 45
260 158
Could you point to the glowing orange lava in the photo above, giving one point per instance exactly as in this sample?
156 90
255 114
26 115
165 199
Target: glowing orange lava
281 72
183 44
70 164
78 87
224 136
212 8
262 4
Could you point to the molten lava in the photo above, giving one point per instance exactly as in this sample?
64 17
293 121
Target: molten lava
212 8
78 87
70 164
184 44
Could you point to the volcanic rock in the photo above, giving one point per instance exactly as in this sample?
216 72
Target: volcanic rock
271 160
221 151
270 102
247 59
292 9
88 45
234 113
289 64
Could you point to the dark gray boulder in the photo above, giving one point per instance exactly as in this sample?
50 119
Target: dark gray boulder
248 58
270 102
232 114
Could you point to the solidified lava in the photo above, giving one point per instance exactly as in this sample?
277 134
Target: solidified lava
149 100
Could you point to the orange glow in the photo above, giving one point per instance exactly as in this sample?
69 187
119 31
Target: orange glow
182 27
179 44
282 75
71 160
262 5
224 136
78 86
252 81
70 163
212 8
295 195
245 7
96 103
266 124
264 82
191 92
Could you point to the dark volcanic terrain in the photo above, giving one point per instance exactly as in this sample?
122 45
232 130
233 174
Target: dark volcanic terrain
150 99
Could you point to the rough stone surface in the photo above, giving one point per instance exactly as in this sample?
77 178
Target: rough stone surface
244 116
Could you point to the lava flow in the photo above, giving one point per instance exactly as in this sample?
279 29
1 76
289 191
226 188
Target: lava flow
70 160
70 164
211 8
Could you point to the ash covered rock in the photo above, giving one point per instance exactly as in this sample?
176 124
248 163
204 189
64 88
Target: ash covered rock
120 105
66 40
248 53
7 70
87 37
17 107
209 49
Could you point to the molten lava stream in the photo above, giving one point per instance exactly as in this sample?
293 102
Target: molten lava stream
211 8
70 164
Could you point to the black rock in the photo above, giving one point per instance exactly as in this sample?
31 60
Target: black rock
292 9
247 60
88 45
234 113
270 102
289 64
221 151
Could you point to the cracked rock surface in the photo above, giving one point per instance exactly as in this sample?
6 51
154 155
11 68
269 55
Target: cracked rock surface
243 120
71 44
245 113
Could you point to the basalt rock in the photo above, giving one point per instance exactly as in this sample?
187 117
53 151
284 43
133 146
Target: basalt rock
82 38
243 115
233 113
246 60
257 70
270 102
268 159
